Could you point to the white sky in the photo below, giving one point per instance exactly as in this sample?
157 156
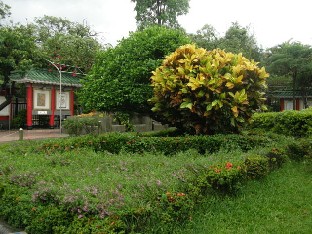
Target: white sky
271 21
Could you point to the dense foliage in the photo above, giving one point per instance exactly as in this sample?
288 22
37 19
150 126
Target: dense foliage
161 12
295 60
237 39
205 92
289 123
120 77
17 50
66 42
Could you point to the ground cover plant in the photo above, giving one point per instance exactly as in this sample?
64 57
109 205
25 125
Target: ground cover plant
89 191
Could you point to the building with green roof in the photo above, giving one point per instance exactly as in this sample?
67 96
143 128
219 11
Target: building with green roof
49 95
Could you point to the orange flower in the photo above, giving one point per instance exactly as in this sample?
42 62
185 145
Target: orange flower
180 194
228 165
217 170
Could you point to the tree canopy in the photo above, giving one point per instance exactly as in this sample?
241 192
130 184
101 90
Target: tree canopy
120 77
4 10
66 42
161 12
17 50
295 60
237 39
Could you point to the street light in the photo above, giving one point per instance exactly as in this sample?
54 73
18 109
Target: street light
60 96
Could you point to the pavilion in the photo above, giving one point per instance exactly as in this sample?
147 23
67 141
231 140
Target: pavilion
44 99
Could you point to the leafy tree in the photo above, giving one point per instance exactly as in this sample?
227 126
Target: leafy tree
161 12
205 92
17 50
237 39
4 10
295 60
120 77
207 37
66 42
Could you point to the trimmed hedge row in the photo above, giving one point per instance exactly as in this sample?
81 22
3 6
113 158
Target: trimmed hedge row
289 123
134 143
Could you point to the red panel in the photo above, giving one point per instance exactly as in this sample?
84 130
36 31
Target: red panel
4 117
71 102
282 104
53 104
29 105
297 104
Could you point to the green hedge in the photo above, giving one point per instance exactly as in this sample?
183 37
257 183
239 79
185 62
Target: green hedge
289 123
134 143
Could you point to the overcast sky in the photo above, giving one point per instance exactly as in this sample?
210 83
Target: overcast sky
271 21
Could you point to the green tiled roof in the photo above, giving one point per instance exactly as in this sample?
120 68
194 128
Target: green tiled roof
288 93
46 77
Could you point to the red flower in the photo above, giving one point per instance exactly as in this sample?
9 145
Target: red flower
228 165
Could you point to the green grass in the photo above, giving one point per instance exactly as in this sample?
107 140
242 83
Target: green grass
280 203
127 183
128 180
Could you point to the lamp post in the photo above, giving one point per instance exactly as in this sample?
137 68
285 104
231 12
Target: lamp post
60 96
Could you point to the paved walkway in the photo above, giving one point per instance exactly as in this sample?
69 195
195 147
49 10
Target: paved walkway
14 135
5 229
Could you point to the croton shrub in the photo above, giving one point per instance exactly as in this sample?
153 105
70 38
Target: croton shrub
207 92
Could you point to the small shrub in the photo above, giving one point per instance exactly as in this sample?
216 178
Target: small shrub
276 158
19 120
45 218
175 207
78 125
257 166
299 149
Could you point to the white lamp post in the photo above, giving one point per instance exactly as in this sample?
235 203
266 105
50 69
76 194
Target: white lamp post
60 96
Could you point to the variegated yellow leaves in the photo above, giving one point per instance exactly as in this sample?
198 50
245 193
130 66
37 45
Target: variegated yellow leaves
211 89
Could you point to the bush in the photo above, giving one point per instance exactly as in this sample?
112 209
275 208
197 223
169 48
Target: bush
289 123
257 166
19 120
77 125
207 92
299 149
276 158
133 143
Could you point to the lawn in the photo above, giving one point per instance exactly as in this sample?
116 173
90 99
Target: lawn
279 203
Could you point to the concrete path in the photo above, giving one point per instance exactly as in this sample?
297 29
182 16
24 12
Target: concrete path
5 229
14 135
